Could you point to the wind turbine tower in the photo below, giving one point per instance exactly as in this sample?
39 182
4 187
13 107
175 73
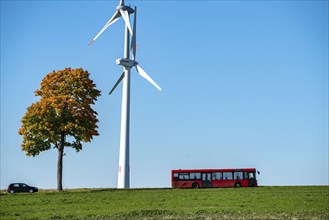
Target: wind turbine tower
127 63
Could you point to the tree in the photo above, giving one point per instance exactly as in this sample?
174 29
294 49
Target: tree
63 116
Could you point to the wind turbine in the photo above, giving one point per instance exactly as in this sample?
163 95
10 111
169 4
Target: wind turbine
124 12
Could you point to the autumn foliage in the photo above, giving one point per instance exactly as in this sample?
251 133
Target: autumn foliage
63 112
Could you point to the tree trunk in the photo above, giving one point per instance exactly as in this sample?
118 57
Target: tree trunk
60 163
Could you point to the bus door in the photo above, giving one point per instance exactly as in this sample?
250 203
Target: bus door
251 176
206 180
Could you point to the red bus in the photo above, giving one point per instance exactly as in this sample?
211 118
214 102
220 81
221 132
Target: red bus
207 178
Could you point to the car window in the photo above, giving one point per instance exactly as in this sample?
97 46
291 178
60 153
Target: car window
16 185
24 185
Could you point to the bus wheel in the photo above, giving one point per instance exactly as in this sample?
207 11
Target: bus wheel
237 185
195 185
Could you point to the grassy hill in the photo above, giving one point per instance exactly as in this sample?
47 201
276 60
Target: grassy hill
293 202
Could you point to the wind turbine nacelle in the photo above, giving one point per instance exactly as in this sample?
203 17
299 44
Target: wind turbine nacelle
126 62
126 8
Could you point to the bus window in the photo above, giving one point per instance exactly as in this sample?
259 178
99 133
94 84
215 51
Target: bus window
195 176
206 177
238 175
251 176
184 176
217 176
227 176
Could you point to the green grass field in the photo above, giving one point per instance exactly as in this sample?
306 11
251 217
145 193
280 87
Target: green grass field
293 202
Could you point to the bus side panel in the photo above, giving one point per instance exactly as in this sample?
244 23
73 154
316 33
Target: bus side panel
244 183
186 184
229 183
223 183
181 184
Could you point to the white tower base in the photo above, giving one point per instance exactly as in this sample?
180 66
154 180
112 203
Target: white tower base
124 169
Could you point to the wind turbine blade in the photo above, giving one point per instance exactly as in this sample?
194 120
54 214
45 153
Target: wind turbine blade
125 17
147 77
114 18
133 40
117 83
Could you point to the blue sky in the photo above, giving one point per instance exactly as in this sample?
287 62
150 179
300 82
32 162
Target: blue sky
244 84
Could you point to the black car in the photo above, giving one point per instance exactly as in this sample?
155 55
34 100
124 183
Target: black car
21 187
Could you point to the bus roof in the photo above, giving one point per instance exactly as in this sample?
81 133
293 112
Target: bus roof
214 170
